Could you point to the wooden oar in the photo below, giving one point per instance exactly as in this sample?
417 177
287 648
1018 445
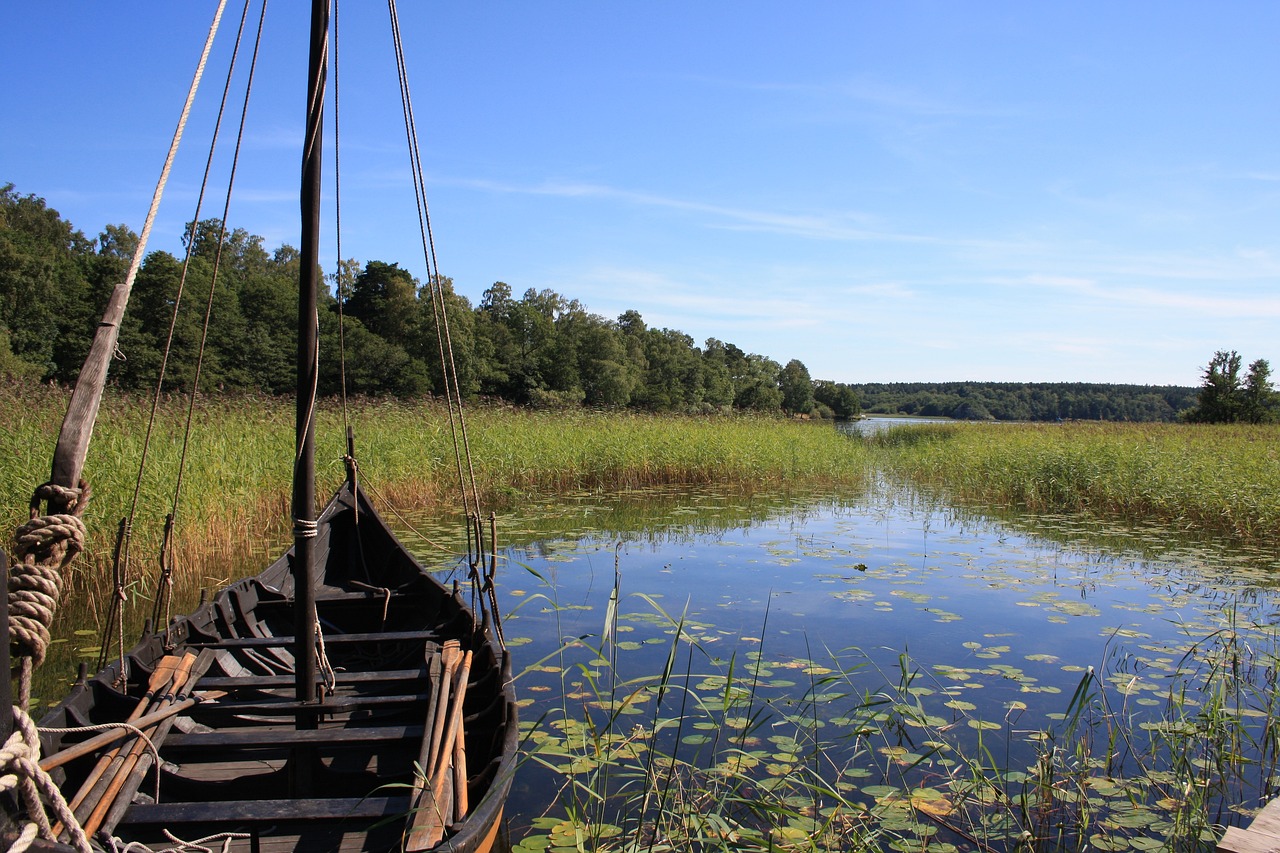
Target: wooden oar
434 667
432 804
133 780
159 680
120 772
429 831
450 656
57 759
460 803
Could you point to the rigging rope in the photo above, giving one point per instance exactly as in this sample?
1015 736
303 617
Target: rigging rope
45 547
467 480
122 573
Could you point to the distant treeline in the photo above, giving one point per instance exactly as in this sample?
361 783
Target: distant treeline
539 349
1028 401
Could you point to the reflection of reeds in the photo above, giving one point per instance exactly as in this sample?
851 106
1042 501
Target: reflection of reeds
1219 479
693 753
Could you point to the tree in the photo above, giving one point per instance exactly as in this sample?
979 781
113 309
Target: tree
1257 397
796 387
385 299
1220 395
755 381
839 397
45 302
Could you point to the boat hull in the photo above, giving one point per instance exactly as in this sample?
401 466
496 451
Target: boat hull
337 773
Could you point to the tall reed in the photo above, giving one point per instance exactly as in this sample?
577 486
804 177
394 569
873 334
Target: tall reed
233 508
1219 479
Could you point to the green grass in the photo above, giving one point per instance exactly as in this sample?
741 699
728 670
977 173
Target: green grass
1215 479
236 476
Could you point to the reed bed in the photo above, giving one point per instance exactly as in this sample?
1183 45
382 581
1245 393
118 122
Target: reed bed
1216 479
232 511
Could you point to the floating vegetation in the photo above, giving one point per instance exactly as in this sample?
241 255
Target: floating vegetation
1070 700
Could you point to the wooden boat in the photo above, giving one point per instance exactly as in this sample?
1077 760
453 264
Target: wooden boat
332 774
343 699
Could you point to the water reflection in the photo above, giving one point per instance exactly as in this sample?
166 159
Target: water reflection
1001 615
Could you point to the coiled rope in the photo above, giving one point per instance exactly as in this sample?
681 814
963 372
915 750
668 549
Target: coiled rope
43 547
20 758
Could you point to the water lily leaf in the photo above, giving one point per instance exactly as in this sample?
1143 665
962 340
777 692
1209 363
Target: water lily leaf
984 725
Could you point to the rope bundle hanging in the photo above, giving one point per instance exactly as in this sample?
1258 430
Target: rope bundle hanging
43 548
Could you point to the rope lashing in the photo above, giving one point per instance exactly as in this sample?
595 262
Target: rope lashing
20 773
322 663
43 548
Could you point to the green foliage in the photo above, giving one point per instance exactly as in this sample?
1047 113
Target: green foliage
1217 479
839 397
1226 399
539 349
1023 401
796 387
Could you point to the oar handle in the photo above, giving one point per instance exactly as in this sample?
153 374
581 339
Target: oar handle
57 759
161 676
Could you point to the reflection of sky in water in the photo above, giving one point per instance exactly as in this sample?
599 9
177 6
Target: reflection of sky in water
898 580
990 615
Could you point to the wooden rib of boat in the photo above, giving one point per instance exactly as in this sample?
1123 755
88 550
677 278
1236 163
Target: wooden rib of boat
343 699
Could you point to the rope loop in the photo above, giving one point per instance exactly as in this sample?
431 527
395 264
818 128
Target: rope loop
306 528
20 773
74 499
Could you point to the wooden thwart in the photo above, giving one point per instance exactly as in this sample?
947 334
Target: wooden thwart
239 812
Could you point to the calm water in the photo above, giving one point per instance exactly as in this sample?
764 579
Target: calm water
973 629
998 620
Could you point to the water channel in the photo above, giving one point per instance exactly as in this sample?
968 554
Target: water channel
927 654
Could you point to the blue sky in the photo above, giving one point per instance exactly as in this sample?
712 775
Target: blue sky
886 191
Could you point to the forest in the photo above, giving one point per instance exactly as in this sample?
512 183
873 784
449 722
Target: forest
1040 401
539 349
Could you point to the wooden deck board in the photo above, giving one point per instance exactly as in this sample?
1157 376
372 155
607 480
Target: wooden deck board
1261 836
255 736
258 811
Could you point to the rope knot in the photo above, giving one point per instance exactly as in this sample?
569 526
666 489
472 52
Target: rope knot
21 775
74 499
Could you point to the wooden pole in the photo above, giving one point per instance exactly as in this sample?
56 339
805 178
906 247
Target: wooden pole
428 823
183 678
71 753
306 683
6 689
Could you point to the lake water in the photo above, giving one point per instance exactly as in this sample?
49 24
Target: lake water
977 638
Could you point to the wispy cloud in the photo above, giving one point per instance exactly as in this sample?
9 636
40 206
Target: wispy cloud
1172 299
845 226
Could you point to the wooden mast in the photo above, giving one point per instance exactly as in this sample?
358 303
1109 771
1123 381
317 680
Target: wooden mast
304 480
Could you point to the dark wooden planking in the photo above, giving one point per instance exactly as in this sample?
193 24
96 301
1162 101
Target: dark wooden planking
268 682
333 704
256 811
255 736
330 639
